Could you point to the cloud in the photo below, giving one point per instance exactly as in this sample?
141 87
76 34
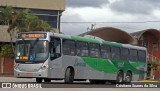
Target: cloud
114 11
85 3
135 6
69 16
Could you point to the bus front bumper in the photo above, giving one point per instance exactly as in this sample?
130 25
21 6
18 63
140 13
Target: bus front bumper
23 74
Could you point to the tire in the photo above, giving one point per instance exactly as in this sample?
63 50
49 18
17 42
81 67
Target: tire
128 77
39 80
69 76
47 80
119 78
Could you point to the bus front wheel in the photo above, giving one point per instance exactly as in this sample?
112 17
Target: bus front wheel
69 76
39 80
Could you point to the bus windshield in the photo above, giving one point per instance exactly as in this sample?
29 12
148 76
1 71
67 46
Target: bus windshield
31 51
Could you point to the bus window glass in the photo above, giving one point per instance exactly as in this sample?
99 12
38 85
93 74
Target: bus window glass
69 47
141 55
82 48
105 51
133 55
94 50
55 48
31 50
124 53
115 53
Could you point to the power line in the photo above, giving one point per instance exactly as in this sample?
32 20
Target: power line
112 22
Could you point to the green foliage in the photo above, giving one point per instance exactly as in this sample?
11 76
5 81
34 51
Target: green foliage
22 20
6 51
154 64
33 23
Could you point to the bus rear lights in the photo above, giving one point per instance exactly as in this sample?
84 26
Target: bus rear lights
43 67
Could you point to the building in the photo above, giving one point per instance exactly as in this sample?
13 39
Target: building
149 38
47 10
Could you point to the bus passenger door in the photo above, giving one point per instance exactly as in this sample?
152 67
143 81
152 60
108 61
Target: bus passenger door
55 58
55 48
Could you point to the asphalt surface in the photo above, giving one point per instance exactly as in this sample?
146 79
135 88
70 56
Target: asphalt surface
60 86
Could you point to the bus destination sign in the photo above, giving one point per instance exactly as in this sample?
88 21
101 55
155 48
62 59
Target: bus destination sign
32 35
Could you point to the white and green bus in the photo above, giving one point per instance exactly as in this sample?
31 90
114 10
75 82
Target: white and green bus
51 56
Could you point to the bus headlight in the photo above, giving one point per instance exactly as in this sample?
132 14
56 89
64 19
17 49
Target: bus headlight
43 67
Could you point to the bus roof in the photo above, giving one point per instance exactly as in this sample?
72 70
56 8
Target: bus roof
91 40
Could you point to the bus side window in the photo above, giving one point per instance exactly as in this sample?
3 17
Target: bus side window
82 48
105 52
94 50
141 55
124 53
69 47
115 53
133 55
55 48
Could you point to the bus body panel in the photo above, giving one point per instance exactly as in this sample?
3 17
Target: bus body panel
31 70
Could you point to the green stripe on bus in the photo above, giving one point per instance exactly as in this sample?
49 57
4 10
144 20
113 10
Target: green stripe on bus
78 38
112 44
106 66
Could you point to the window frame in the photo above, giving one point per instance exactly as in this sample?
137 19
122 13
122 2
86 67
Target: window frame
140 58
125 56
81 47
135 57
96 50
117 57
107 51
69 47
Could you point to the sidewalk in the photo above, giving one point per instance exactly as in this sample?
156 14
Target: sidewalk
6 74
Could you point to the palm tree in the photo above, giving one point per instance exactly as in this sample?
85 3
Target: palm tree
21 21
33 23
9 17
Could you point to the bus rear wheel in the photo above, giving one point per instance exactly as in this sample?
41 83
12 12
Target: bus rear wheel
119 78
69 76
39 80
128 77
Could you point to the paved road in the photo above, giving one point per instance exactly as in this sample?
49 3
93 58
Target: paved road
60 86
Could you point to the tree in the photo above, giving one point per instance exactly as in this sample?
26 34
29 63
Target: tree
6 51
33 23
8 16
21 21
154 66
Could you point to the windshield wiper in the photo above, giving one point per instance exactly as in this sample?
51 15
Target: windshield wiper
24 47
35 42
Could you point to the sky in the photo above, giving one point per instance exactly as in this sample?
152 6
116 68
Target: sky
127 15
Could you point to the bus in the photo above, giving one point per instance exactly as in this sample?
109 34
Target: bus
50 56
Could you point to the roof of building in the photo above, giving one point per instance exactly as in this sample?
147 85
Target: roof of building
137 35
111 34
4 36
35 4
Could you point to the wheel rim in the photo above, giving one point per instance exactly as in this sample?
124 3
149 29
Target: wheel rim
128 77
120 78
